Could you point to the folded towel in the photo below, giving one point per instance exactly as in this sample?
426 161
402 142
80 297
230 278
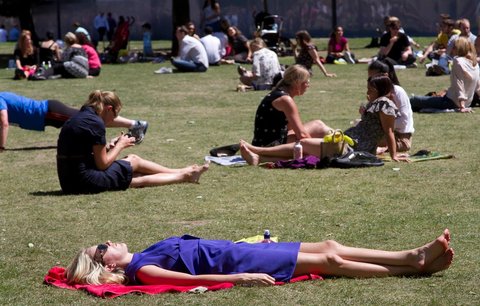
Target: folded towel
420 156
55 277
235 160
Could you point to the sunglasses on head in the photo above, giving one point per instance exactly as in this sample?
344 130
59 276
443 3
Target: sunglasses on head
99 252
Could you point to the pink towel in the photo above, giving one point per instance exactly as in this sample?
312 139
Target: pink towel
55 277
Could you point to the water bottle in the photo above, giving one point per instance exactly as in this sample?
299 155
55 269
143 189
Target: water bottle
49 65
44 66
266 237
298 150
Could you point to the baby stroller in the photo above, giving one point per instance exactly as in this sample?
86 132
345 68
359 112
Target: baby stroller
269 28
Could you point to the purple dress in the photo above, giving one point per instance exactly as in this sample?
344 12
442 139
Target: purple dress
198 256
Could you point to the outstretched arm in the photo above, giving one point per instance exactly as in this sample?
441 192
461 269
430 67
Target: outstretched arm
3 128
313 53
153 275
388 123
289 108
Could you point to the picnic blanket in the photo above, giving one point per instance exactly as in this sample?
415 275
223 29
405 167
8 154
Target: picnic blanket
55 277
422 155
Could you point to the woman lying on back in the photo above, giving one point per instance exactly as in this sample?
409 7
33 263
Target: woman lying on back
189 260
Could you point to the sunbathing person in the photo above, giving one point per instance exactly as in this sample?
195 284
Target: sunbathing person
189 260
35 115
86 163
378 119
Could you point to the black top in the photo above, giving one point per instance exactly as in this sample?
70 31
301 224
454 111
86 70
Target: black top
398 47
270 123
30 60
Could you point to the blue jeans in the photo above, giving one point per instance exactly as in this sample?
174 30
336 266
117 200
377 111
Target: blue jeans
443 62
188 66
419 102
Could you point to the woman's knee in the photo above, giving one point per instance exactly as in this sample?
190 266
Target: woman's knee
331 245
333 260
133 159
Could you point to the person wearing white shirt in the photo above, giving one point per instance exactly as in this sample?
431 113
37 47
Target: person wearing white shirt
265 67
192 55
213 47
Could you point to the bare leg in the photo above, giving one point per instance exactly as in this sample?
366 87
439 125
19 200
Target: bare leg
143 166
418 258
247 78
190 176
284 152
334 265
122 122
316 129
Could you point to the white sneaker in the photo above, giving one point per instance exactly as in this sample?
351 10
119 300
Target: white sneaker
139 130
348 58
163 70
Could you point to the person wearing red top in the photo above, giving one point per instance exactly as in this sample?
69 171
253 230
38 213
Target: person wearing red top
94 63
338 48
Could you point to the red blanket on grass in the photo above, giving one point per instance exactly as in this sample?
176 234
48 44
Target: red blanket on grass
56 278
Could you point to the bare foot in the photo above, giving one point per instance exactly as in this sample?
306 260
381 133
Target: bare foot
197 171
441 263
428 253
251 158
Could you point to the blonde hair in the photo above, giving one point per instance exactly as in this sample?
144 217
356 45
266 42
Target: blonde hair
257 44
294 74
70 38
98 99
465 48
84 270
26 47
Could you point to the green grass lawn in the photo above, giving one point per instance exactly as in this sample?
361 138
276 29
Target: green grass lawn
191 113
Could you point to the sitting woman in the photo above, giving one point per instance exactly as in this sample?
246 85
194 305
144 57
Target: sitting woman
338 48
277 120
240 46
50 51
26 56
189 260
94 63
308 55
264 68
464 82
87 164
74 62
403 129
377 122
35 115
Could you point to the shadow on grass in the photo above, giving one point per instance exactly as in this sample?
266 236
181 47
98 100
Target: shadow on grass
57 193
32 148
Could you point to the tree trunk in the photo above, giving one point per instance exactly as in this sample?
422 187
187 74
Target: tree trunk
180 16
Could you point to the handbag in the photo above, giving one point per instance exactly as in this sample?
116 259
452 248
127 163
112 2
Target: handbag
335 144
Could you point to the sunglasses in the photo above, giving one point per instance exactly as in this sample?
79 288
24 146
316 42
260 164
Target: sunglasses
99 252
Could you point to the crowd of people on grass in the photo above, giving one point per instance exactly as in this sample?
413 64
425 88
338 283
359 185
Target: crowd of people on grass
89 163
